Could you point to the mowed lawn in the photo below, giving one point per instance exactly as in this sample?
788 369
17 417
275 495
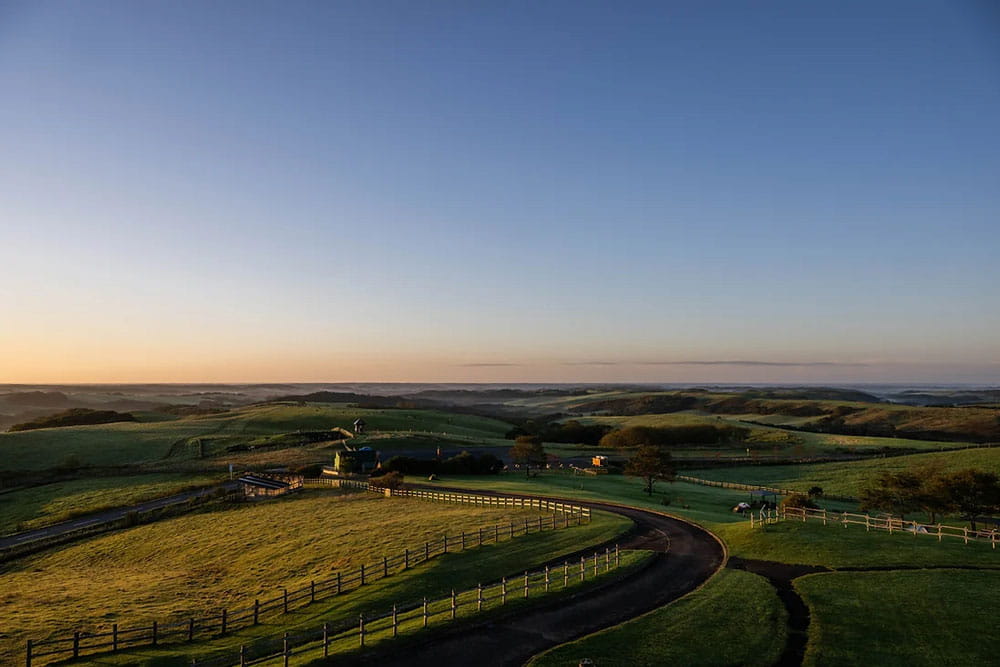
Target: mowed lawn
39 506
735 619
848 478
932 618
144 442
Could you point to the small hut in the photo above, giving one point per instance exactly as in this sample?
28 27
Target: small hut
359 425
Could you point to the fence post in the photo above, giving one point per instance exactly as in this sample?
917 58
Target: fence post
607 559
256 611
427 551
525 526
191 630
223 626
326 640
446 542
76 644
546 578
965 532
868 524
583 568
406 559
155 628
454 606
503 590
243 655
939 532
114 638
28 654
479 597
824 517
463 540
596 571
425 612
286 650
565 573
617 558
395 623
525 584
361 629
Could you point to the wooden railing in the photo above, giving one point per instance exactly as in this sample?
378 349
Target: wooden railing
115 639
755 487
887 524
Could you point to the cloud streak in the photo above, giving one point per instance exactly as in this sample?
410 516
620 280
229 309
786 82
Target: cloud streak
721 362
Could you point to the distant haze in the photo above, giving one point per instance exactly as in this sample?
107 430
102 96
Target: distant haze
788 192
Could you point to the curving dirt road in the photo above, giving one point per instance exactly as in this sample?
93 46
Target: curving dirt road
687 556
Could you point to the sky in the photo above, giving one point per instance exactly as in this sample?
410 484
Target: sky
502 191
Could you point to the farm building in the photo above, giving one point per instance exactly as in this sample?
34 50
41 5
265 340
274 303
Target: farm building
359 425
599 461
362 461
266 486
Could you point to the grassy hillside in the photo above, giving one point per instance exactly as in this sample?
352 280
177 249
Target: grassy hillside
847 478
185 438
200 562
936 618
38 506
698 629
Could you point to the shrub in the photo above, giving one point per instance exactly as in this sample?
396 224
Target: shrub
798 500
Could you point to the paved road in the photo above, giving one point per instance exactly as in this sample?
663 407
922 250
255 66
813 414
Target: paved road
72 525
686 556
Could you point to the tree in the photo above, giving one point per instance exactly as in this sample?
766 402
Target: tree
528 451
799 500
815 491
651 464
971 492
893 492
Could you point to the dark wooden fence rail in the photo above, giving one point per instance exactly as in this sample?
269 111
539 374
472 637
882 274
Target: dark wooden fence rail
226 620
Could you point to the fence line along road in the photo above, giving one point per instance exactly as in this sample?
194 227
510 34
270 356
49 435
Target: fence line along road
888 524
755 487
416 615
216 625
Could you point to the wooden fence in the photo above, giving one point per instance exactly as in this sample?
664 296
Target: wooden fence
887 524
415 615
755 487
226 620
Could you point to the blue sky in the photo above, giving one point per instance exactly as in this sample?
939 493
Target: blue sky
500 191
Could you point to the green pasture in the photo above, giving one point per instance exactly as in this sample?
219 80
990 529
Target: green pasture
177 440
198 563
734 619
37 506
847 478
835 546
932 618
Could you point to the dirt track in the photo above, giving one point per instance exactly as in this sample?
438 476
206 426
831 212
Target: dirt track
687 556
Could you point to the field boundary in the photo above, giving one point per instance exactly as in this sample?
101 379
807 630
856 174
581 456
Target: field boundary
887 524
563 515
756 487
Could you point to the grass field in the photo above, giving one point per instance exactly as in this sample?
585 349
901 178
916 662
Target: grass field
847 478
204 561
735 619
834 546
39 506
705 505
132 443
937 618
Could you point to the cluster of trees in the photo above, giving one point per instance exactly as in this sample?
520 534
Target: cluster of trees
651 464
460 464
669 436
971 493
571 431
528 452
75 417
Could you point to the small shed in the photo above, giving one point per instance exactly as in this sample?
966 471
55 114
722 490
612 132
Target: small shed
599 461
359 425
259 486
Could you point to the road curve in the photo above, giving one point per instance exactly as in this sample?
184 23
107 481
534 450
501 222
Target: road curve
686 556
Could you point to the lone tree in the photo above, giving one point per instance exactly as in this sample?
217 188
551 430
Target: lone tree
528 451
972 493
651 464
893 492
